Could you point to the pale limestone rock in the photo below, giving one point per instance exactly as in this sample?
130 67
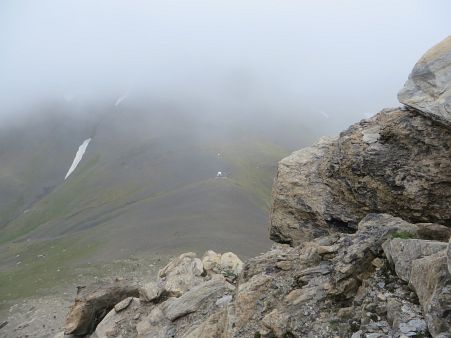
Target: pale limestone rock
211 261
122 305
191 301
149 292
402 252
108 326
155 325
428 88
431 281
230 263
182 273
213 327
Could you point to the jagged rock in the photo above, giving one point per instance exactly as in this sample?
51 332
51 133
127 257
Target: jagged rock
213 327
413 327
182 273
108 326
211 261
431 281
428 88
402 252
122 305
194 298
231 264
423 264
155 325
299 196
394 311
333 279
305 299
149 292
397 162
92 303
449 256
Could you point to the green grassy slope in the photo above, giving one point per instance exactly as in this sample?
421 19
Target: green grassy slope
142 187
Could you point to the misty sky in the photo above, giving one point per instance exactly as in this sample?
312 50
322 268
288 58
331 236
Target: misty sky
334 58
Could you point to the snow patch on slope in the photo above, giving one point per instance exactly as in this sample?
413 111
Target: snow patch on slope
122 98
78 156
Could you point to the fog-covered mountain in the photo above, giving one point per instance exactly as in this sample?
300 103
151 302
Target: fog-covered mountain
153 177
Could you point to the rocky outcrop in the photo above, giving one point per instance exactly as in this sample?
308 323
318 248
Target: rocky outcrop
363 225
93 302
184 293
333 286
428 88
423 264
396 162
336 285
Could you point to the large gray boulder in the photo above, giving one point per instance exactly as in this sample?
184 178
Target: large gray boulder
397 162
428 88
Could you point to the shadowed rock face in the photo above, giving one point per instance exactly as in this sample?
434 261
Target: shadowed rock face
428 88
396 162
93 303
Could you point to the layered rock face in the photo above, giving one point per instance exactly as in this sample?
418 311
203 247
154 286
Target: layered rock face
397 162
362 222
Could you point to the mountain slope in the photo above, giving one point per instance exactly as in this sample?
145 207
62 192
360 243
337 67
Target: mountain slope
146 183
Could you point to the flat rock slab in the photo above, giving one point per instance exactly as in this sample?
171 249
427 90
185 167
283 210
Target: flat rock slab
192 300
402 252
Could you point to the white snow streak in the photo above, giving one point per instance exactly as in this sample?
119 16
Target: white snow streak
78 156
324 114
122 98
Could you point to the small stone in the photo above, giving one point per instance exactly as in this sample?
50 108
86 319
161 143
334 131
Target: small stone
378 263
224 300
122 305
284 265
373 335
381 297
357 334
326 249
149 292
345 313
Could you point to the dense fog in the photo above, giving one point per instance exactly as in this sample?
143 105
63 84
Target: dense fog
328 61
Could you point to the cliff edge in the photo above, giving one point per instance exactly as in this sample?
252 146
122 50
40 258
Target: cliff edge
362 225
